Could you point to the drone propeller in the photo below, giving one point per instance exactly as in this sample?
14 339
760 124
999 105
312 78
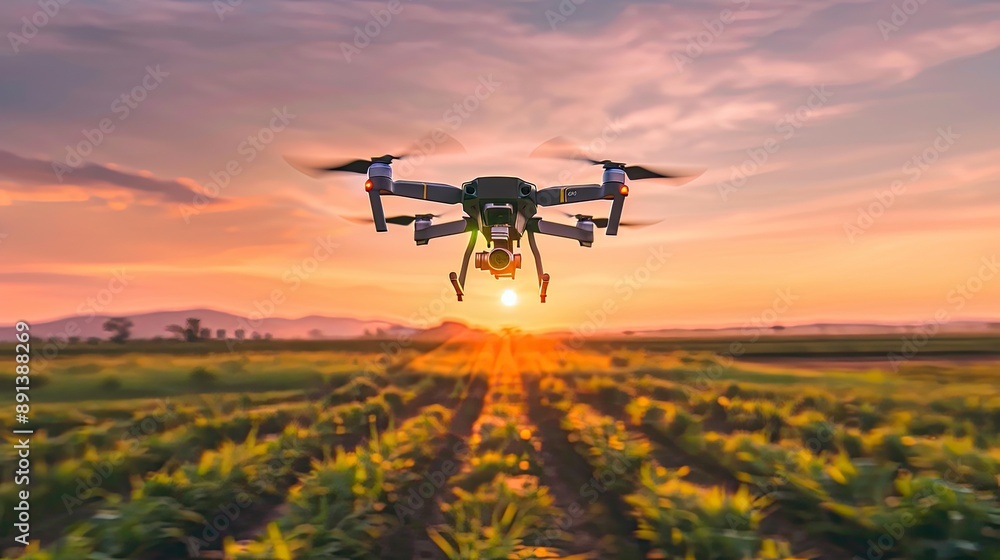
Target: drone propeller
395 220
603 222
561 148
439 143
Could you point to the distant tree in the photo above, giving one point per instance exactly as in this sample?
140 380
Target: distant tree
55 340
255 335
240 334
120 327
74 340
268 336
192 329
220 334
93 340
177 331
315 333
205 333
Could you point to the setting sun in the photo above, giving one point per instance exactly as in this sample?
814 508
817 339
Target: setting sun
509 298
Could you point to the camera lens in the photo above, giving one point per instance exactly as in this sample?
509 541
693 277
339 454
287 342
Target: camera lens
499 259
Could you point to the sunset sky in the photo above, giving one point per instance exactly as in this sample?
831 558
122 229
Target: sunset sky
875 192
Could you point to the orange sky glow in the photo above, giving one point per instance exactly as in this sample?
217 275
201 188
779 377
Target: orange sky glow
852 173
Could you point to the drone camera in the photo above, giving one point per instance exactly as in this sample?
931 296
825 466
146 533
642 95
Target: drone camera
526 189
499 261
498 214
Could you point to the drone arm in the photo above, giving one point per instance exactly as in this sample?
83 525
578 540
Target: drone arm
424 234
610 189
585 237
380 185
434 192
552 196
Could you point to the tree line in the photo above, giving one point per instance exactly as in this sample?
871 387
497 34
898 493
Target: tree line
120 329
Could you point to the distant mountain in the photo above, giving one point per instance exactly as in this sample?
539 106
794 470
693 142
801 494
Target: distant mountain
149 325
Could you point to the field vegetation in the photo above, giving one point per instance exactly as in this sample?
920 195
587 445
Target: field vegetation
513 446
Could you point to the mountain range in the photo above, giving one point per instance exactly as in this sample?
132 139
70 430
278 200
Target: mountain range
154 324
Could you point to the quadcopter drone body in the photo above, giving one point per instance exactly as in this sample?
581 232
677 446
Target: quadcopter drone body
501 209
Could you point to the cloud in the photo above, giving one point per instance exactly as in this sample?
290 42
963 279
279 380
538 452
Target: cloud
36 179
606 61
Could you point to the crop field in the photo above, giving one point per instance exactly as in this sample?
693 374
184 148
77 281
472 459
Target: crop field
497 446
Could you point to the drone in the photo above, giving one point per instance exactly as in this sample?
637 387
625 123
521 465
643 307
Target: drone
501 209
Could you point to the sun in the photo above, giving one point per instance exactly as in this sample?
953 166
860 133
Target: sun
509 298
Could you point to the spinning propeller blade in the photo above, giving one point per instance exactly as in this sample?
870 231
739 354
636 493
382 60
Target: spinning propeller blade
395 220
438 142
562 148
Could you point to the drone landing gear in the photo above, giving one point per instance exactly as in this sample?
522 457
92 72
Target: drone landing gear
543 277
458 280
458 288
